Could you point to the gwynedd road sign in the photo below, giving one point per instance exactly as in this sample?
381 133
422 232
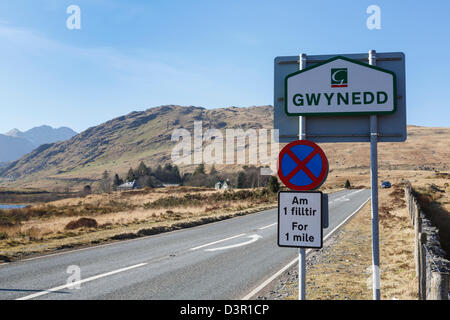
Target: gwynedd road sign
352 125
340 86
302 165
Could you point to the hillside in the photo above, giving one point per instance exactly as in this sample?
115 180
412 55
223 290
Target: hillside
123 142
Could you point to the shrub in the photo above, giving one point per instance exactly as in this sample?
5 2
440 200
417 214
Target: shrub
82 222
274 185
347 184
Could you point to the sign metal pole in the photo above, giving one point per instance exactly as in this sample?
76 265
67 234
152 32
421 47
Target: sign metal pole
302 251
374 187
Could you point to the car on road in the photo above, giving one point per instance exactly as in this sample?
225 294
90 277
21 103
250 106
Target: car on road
385 184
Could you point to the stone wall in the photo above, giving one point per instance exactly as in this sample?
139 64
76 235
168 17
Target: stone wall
432 268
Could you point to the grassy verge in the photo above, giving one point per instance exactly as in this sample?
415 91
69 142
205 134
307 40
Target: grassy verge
343 270
99 219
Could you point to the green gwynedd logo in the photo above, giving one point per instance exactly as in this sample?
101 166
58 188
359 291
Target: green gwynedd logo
339 77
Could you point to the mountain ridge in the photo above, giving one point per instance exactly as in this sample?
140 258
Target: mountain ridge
15 143
120 143
43 134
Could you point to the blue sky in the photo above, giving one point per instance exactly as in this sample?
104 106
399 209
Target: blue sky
131 55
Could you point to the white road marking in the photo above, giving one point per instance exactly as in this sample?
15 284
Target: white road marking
270 225
279 272
72 284
253 238
218 241
344 197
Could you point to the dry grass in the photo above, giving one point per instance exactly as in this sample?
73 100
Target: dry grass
44 228
344 271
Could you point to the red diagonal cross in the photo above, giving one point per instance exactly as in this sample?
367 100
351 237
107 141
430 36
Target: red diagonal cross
301 165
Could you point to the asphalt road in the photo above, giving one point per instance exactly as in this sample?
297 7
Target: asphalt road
221 260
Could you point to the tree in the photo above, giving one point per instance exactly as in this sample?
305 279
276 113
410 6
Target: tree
87 190
176 174
200 169
142 170
213 171
274 185
117 181
105 183
347 184
159 173
131 175
241 180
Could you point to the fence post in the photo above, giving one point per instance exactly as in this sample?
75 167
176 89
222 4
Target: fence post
439 286
417 243
422 260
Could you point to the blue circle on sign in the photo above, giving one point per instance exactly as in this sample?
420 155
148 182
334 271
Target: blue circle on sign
303 165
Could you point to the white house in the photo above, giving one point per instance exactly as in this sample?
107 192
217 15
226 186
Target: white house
129 186
222 185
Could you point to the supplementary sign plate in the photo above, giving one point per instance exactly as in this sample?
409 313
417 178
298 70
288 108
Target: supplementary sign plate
300 219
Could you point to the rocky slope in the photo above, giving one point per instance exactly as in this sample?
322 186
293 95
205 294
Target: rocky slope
122 142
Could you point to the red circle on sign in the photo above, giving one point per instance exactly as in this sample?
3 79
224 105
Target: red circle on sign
301 165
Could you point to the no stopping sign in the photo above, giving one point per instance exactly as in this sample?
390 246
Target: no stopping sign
302 165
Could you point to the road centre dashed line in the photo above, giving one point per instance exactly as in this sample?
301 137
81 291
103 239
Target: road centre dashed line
218 241
270 225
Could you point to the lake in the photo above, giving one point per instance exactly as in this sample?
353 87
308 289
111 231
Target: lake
12 206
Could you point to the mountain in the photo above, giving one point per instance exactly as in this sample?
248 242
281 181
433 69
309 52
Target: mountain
43 134
15 143
123 142
13 148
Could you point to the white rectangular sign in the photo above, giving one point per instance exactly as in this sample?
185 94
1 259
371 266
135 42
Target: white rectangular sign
340 86
345 101
300 219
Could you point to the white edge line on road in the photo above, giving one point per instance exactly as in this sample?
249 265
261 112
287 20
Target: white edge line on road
270 225
72 284
279 272
218 241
